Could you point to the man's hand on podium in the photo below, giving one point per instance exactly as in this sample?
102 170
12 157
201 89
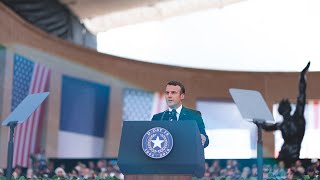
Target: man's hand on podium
203 139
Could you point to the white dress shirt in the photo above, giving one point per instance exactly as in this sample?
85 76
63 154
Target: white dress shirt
178 111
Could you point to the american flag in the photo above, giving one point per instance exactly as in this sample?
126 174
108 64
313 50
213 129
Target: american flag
141 105
28 78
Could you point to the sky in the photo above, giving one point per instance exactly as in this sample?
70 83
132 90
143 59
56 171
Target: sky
252 35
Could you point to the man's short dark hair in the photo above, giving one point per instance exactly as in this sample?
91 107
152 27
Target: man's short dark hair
177 83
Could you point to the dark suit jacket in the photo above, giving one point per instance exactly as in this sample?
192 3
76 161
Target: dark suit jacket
186 114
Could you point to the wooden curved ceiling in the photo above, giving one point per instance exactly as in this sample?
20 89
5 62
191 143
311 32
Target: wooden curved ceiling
99 15
203 83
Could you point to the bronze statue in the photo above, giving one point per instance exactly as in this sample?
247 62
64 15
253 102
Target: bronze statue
293 126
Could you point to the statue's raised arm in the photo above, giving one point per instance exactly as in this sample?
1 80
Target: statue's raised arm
303 72
301 100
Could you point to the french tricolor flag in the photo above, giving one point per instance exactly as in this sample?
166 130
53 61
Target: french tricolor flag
84 108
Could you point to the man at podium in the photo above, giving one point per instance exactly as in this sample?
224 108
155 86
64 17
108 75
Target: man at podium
175 93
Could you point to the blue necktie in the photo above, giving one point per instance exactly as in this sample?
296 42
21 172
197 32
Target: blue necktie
173 115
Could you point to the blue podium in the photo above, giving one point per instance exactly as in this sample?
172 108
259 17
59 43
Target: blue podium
184 161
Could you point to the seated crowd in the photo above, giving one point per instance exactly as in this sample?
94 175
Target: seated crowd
234 170
231 169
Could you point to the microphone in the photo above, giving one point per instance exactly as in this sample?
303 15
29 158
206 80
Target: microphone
163 114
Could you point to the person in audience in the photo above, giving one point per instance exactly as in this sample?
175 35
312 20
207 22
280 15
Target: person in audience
282 168
235 166
86 173
17 171
290 174
278 172
231 173
73 173
206 167
265 172
215 168
102 165
311 172
60 172
207 175
1 173
245 173
50 169
301 170
315 163
30 173
254 170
